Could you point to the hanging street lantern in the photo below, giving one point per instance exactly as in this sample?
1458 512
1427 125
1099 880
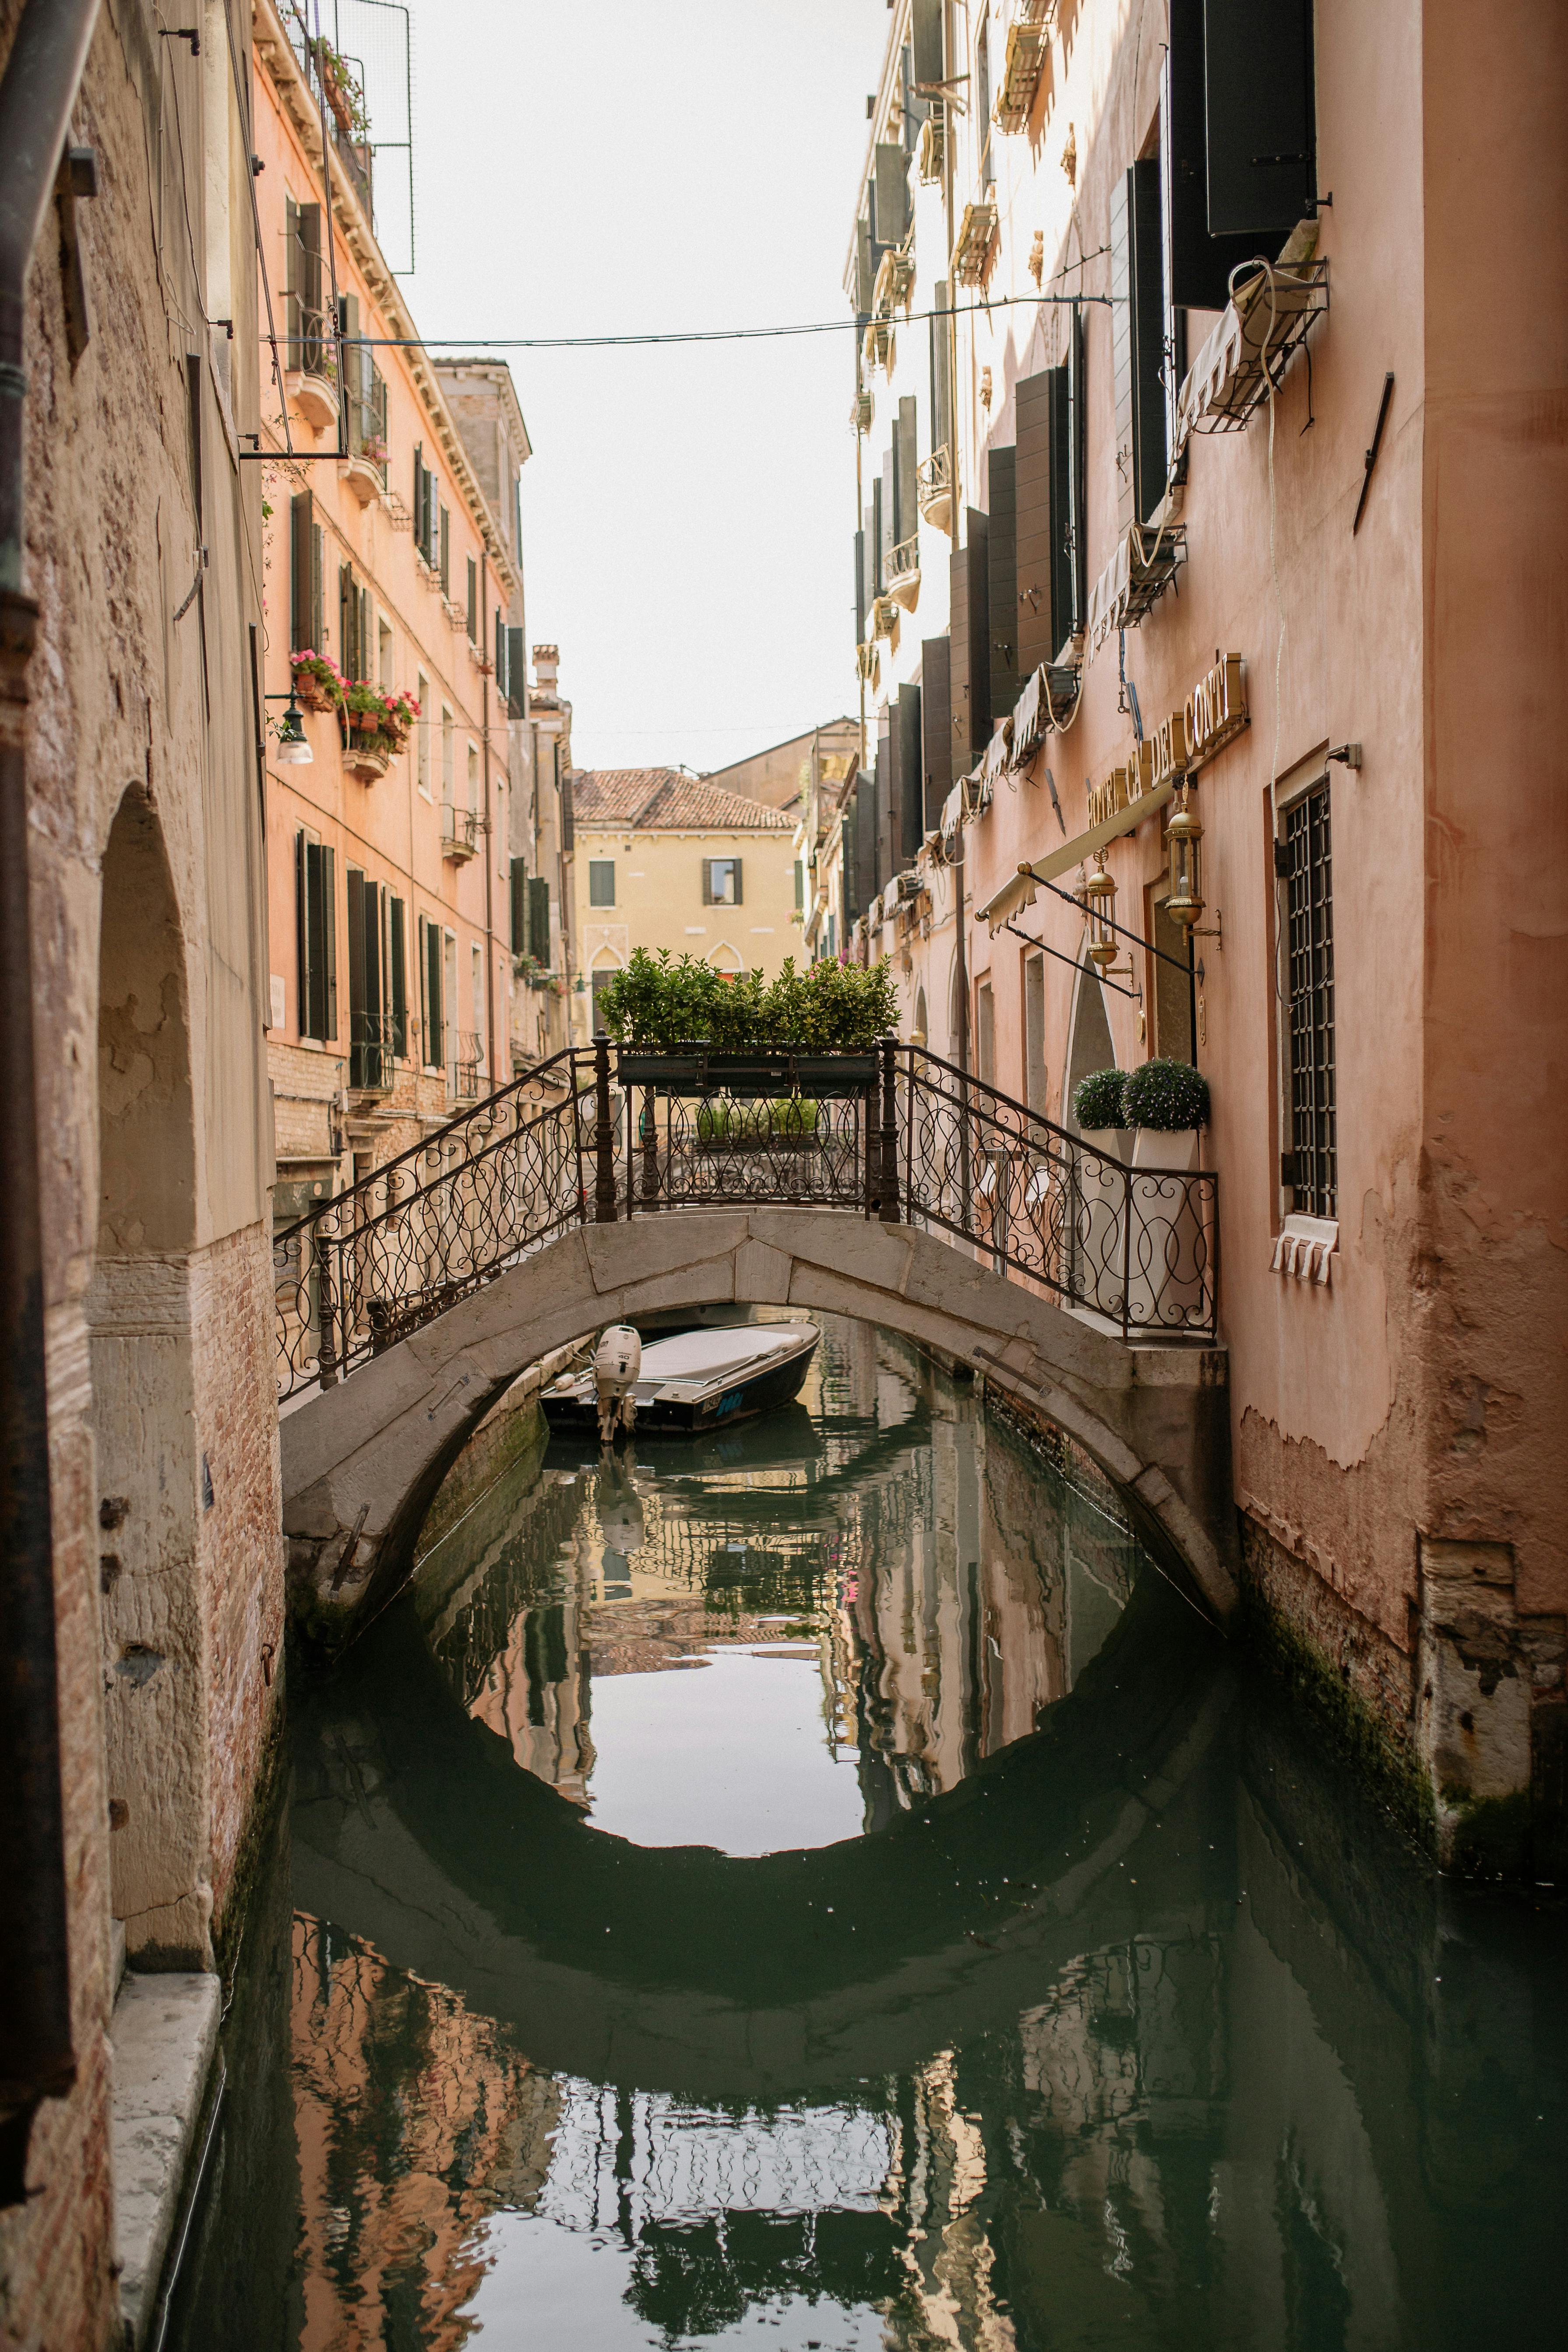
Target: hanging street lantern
293 751
1099 897
1184 839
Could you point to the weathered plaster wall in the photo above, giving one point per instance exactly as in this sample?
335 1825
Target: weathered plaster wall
157 1152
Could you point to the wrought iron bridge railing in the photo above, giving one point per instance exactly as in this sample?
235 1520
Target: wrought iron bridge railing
600 1133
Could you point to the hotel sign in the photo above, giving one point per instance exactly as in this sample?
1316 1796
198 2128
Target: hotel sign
1212 716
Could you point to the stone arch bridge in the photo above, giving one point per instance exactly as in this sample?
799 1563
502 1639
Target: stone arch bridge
363 1458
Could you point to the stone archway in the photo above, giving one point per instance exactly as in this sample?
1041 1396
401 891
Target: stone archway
362 1460
140 1318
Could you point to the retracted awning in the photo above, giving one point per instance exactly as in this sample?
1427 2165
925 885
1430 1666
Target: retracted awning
1020 891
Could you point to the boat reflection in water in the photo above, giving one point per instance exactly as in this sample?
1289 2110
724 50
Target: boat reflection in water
822 1886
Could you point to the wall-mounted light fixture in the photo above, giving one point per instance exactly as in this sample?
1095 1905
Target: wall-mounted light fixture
1100 902
293 751
1184 841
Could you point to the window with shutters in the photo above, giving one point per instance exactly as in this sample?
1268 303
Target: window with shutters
316 925
1002 581
370 1042
501 667
422 739
721 881
601 881
473 781
517 877
308 327
397 976
444 552
516 675
430 963
473 602
355 619
448 760
1237 138
1307 873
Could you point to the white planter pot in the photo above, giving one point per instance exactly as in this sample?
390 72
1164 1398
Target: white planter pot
1169 1244
1098 1235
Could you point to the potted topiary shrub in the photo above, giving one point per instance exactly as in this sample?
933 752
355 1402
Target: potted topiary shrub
1097 1105
1167 1101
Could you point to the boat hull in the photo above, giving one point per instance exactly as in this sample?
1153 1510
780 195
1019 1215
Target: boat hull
739 1400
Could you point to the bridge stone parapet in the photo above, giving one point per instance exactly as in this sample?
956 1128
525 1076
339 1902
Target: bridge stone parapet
362 1460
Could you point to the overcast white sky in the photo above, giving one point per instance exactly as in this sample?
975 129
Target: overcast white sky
608 166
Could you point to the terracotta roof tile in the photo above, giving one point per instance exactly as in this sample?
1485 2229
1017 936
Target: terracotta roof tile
662 799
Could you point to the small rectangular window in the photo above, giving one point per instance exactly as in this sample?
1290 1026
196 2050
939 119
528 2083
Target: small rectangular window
435 1027
473 781
383 672
1314 1136
722 882
601 881
599 982
985 1033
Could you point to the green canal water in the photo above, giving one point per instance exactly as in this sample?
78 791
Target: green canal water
823 1887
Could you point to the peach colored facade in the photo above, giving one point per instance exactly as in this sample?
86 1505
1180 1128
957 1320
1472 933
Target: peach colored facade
1396 1423
414 603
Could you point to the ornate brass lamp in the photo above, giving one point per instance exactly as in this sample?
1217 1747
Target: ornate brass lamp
1184 841
1099 896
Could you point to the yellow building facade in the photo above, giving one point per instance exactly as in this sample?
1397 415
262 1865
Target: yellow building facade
669 861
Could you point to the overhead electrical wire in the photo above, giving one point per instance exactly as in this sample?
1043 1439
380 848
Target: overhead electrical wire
853 325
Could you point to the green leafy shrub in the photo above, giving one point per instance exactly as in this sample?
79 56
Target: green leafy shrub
661 1003
1167 1095
756 1123
1098 1100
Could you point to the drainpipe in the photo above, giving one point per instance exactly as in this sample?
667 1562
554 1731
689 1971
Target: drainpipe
36 2060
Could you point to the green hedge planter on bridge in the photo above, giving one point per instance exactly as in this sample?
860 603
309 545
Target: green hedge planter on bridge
662 1004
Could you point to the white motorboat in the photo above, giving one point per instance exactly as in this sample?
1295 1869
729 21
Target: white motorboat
697 1379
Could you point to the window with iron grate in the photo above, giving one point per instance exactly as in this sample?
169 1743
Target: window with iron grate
1314 1142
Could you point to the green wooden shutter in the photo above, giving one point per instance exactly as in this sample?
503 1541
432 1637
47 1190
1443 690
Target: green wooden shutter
444 564
359 1009
1032 549
347 615
518 874
926 41
301 573
473 602
435 1026
707 866
397 975
735 862
859 587
291 283
865 268
568 818
516 675
936 732
303 933
330 941
1147 274
1002 582
539 919
891 194
1201 263
1258 91
906 508
941 370
1077 476
911 799
970 630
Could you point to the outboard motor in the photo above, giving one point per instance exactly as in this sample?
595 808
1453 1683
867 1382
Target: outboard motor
617 1361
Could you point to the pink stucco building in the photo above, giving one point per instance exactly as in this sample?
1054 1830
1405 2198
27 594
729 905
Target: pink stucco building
1231 468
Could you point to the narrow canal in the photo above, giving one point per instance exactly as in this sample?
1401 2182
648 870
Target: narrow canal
822 1887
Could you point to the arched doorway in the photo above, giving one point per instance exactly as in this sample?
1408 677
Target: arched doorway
148 1464
1092 1048
606 964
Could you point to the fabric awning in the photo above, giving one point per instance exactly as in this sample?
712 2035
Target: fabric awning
1020 891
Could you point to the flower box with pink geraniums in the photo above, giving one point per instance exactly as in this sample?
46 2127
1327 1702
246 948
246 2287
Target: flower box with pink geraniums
318 682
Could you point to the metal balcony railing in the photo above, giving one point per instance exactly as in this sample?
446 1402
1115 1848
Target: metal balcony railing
600 1134
366 388
459 832
904 559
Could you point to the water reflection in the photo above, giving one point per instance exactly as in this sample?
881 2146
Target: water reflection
1133 2028
659 1648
